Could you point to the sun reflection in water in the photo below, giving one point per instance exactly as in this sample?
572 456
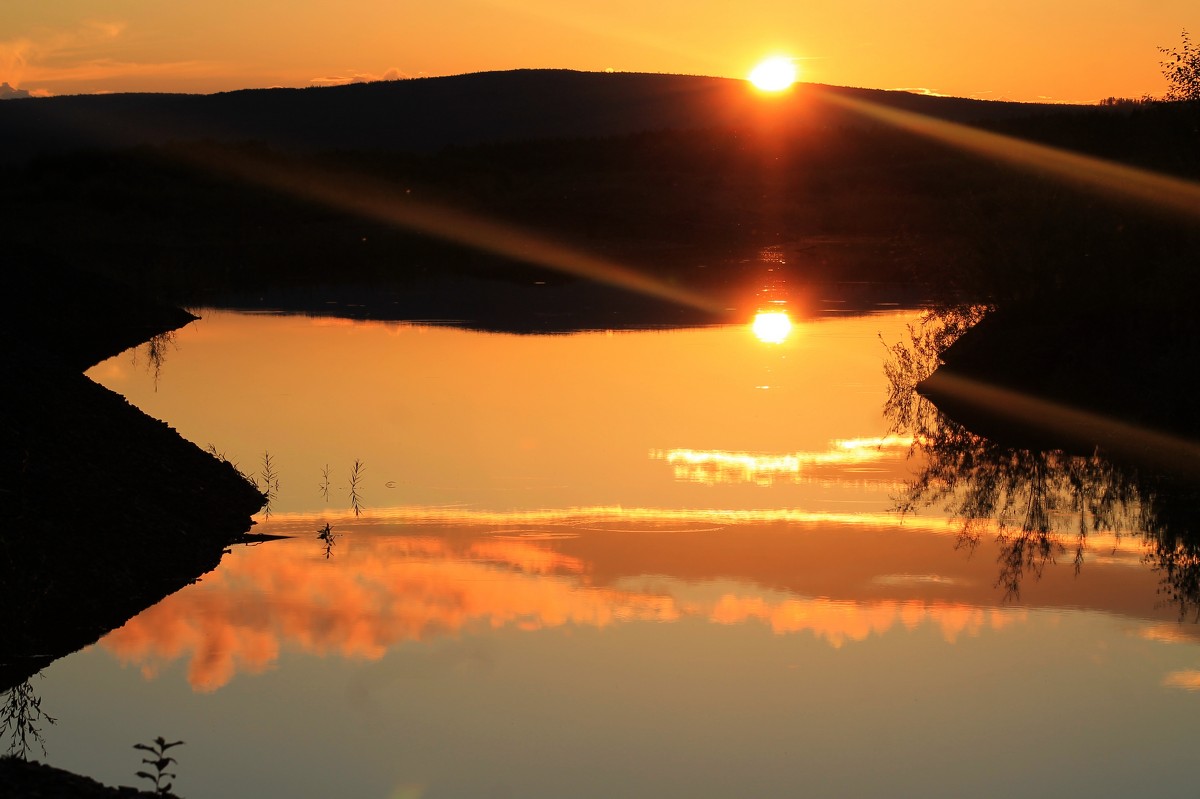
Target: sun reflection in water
772 327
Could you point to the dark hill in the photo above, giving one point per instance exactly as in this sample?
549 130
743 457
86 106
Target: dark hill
432 113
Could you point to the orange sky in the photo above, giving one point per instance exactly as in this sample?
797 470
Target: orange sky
1061 50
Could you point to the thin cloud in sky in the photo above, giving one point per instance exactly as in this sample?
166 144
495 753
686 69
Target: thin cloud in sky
102 68
86 53
359 77
54 47
920 90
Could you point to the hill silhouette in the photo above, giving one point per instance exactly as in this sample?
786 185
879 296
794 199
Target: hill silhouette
428 114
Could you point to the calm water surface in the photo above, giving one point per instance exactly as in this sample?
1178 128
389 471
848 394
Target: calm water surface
609 564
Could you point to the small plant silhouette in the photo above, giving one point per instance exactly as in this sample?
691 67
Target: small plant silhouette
325 482
270 482
211 449
160 761
327 535
355 479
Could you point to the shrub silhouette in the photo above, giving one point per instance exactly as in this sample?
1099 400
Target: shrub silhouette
1181 68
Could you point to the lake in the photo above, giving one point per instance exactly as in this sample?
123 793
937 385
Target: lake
619 563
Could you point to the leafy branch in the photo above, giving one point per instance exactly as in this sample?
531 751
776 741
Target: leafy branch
160 761
1181 68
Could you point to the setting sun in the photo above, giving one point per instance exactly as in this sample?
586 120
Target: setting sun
772 327
773 74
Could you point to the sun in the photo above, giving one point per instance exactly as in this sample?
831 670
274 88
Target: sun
773 74
772 327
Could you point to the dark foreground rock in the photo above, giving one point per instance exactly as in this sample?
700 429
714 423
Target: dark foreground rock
33 780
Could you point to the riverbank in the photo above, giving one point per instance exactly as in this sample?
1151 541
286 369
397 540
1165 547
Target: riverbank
109 510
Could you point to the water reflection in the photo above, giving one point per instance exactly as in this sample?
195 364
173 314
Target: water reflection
328 538
715 466
156 350
383 592
436 416
23 721
1188 679
584 527
772 322
1041 506
386 589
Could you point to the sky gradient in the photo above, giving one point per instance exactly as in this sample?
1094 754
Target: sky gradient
1028 50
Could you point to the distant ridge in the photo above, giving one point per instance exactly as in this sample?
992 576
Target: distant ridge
426 114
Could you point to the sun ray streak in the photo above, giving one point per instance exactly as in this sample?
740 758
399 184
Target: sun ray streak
1150 188
1147 446
375 199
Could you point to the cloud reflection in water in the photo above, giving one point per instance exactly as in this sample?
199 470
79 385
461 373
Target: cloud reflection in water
711 467
382 591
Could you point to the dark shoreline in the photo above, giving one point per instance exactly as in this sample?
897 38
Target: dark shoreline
110 510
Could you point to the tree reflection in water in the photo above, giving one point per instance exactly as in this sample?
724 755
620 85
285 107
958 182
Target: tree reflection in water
1041 505
156 353
22 720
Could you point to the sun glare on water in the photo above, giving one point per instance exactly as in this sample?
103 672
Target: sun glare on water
772 327
773 74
